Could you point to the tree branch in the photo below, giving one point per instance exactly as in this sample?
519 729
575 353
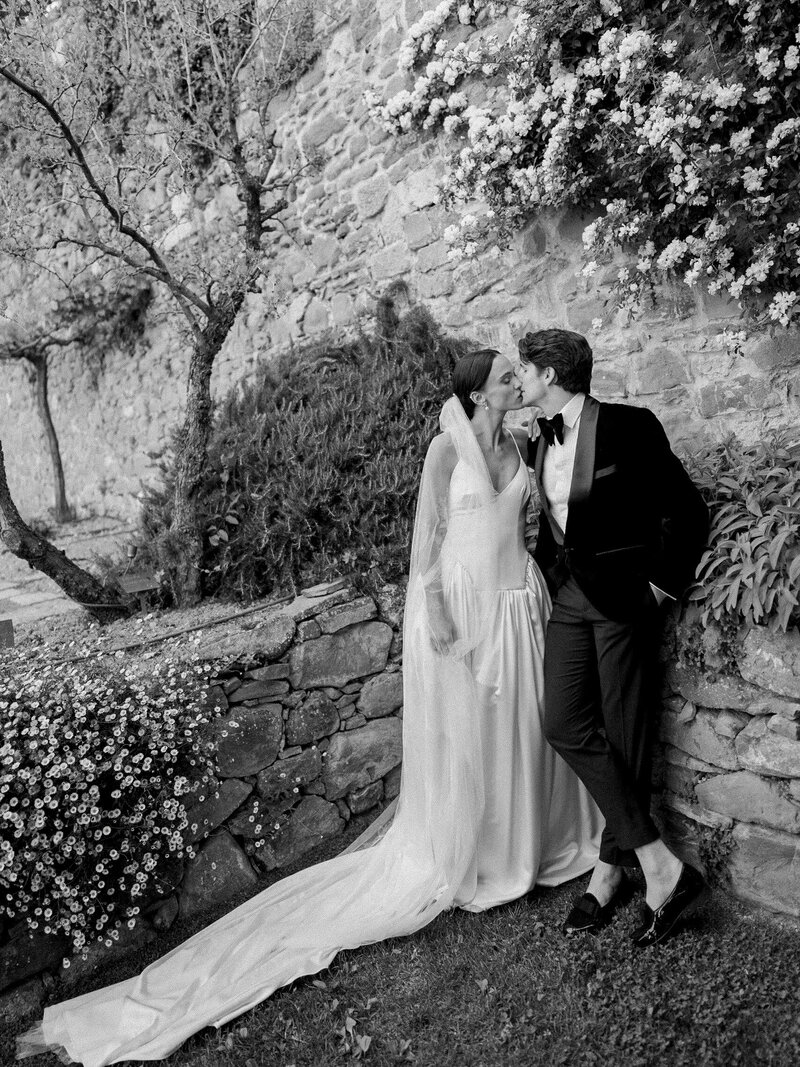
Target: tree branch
75 149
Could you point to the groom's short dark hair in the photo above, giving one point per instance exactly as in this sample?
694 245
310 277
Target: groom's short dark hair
566 352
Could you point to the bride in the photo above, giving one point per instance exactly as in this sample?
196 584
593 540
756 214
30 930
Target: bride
486 809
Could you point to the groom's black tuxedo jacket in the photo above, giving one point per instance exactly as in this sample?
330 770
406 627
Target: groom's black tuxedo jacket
635 517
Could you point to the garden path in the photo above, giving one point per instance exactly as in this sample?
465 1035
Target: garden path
27 596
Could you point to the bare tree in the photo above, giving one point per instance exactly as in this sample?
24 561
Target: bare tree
133 113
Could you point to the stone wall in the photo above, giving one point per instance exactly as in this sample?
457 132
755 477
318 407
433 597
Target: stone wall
729 762
307 728
367 219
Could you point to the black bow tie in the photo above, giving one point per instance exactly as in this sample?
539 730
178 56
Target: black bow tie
552 429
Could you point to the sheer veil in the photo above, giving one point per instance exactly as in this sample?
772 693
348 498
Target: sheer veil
405 869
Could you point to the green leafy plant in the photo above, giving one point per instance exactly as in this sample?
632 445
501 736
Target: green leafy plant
751 569
97 768
314 465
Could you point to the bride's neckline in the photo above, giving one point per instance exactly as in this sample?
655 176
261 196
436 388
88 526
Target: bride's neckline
495 490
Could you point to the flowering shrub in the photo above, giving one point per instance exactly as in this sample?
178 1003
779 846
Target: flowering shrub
677 122
751 571
96 768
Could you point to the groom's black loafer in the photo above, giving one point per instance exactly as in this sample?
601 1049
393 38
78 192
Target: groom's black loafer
689 893
588 915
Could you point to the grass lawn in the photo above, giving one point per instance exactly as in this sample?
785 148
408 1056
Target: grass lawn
506 988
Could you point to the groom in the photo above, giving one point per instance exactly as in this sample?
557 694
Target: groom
622 530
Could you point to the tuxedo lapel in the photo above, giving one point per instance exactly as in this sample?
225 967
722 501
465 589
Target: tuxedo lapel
583 471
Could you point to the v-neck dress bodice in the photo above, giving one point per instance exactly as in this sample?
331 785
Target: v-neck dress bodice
486 528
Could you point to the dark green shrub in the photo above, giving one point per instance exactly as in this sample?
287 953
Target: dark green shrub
751 570
314 465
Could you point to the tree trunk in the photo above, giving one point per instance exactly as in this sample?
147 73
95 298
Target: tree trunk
62 512
192 459
104 603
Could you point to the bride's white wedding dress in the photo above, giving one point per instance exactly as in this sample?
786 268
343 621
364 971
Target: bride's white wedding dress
486 809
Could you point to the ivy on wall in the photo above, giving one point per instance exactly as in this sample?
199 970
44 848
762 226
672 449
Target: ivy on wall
676 124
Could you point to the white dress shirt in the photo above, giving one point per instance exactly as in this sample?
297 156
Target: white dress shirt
559 461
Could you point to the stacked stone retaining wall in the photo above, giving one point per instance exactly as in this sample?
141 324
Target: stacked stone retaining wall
728 762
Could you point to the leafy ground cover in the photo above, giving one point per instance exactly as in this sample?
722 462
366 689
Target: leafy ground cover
505 988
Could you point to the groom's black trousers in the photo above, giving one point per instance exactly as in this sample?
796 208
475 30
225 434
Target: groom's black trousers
599 709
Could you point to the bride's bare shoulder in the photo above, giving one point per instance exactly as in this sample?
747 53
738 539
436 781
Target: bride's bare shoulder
442 451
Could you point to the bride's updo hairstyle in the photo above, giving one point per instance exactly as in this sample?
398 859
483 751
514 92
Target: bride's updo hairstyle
470 373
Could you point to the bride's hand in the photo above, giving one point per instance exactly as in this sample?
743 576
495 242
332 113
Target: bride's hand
442 632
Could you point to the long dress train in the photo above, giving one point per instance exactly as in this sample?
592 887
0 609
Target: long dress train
486 809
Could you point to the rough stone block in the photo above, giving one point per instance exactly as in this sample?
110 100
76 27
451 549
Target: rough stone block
435 284
342 309
749 798
419 188
742 394
335 659
763 751
325 251
777 350
433 257
308 630
337 618
307 605
702 816
258 817
248 740
772 660
391 783
418 229
608 383
272 672
268 639
218 872
381 695
371 195
707 736
215 809
360 757
315 717
683 759
289 774
260 689
784 727
316 317
725 692
659 369
313 820
771 705
764 868
390 261
364 799
321 130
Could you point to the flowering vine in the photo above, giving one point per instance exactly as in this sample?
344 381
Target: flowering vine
677 125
